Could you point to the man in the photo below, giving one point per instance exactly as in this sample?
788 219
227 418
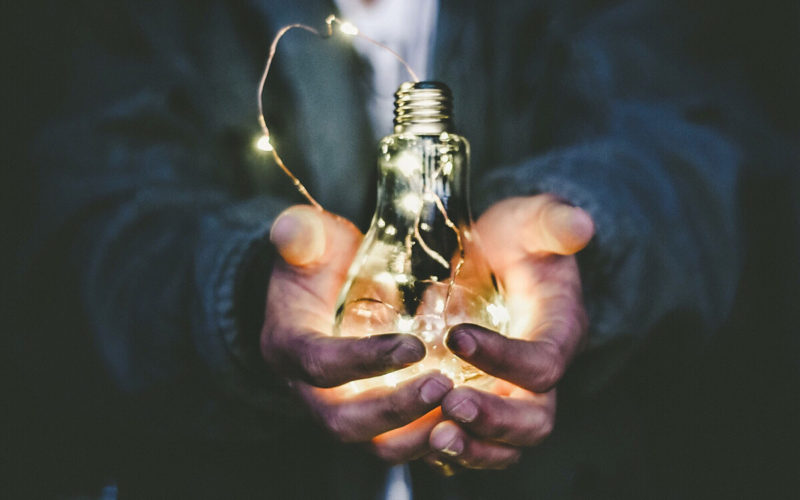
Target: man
161 214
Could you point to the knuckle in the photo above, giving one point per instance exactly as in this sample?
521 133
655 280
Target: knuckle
511 458
331 421
547 427
476 460
397 411
543 427
336 425
550 367
277 357
495 426
366 364
268 350
482 462
498 364
269 345
311 362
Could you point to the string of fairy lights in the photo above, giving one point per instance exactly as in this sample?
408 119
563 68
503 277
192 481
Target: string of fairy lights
345 28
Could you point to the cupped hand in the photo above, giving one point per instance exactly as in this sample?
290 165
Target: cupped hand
530 243
316 249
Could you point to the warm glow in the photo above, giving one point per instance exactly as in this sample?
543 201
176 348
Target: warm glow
263 143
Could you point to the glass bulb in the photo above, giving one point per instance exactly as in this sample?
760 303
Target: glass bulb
420 268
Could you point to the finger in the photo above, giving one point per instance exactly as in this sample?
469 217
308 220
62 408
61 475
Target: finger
409 442
543 223
364 416
522 420
299 235
535 365
451 440
325 361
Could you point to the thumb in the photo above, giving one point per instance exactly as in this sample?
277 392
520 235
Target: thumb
299 235
541 224
557 228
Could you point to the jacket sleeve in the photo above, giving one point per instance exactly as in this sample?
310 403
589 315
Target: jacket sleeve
631 130
143 201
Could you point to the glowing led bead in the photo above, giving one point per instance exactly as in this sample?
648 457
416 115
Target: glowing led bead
411 203
405 325
391 230
348 29
263 143
385 278
498 314
408 165
429 337
447 167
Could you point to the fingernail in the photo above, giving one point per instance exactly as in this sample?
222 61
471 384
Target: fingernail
407 352
462 343
464 411
433 391
446 439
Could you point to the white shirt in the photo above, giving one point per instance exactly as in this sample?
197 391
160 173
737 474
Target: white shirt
407 27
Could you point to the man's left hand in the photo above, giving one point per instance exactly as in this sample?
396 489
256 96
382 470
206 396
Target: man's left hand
530 243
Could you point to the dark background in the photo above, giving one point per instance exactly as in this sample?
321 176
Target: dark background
723 424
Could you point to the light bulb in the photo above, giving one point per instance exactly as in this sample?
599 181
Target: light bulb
420 268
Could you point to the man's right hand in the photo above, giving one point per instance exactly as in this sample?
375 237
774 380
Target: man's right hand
316 249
